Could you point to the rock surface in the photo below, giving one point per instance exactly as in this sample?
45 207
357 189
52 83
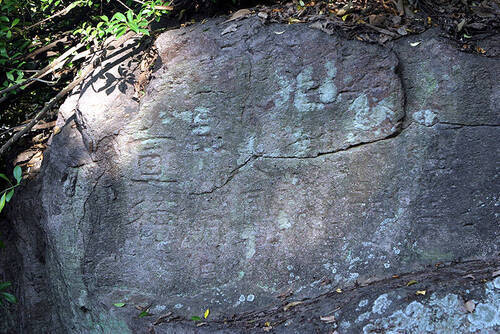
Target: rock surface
271 160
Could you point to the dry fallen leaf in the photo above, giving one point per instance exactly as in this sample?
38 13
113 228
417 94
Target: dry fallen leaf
290 305
339 290
328 319
239 14
411 282
56 130
395 276
460 25
263 15
415 43
207 312
402 31
232 28
470 306
279 32
480 50
421 292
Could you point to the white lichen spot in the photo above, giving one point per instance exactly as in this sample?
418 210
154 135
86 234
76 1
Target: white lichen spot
366 117
249 236
345 324
285 90
242 298
283 221
159 308
387 265
289 267
328 90
201 130
363 303
363 317
250 298
381 304
178 306
441 315
496 283
425 117
352 277
304 84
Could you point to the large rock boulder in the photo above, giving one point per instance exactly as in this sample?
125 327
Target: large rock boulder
267 161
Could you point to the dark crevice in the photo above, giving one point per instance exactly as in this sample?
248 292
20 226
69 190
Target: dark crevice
232 174
468 125
350 147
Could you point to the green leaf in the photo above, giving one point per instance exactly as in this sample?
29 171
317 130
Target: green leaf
144 31
2 202
10 76
133 27
120 31
119 17
9 34
119 304
3 176
4 18
5 285
104 18
195 318
9 195
130 16
18 174
144 314
8 297
16 21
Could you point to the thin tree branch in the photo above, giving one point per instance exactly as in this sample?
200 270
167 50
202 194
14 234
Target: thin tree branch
49 46
47 107
124 5
62 12
57 63
11 88
156 7
87 70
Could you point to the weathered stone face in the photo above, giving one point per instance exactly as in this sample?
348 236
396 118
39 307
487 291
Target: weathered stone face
259 162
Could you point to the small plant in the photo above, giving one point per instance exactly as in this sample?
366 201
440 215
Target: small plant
9 192
5 296
120 22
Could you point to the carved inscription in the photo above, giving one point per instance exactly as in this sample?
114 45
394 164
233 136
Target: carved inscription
151 161
149 164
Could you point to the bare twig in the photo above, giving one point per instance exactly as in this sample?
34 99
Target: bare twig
62 12
156 7
57 63
383 31
49 46
124 5
47 107
86 71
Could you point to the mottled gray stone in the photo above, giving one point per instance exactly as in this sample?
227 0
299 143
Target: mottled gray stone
260 162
